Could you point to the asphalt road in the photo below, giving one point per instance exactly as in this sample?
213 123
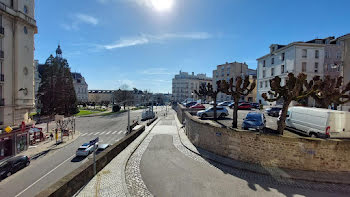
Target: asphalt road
51 167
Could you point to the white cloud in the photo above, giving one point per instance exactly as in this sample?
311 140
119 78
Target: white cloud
145 39
78 19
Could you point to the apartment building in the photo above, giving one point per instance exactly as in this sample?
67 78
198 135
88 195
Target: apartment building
308 57
17 30
232 70
99 96
345 62
184 84
80 87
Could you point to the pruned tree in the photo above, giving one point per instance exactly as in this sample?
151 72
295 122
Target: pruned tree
293 90
237 90
330 91
123 95
207 90
56 93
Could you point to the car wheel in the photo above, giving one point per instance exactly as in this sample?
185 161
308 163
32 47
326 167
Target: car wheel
222 115
8 174
27 164
204 116
313 135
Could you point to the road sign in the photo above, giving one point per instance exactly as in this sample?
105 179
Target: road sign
8 129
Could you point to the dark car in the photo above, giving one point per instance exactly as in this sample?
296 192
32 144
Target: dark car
274 111
13 165
189 104
254 121
255 105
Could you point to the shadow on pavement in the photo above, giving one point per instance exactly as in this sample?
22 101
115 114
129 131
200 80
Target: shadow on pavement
78 159
43 153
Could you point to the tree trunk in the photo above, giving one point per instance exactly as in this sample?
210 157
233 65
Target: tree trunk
235 112
215 115
124 106
281 124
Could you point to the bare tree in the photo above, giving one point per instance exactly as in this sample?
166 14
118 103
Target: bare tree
123 95
208 90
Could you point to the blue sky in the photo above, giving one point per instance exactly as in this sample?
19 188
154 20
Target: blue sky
136 42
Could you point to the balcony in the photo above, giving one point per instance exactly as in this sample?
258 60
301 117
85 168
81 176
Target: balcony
2 102
2 78
1 54
2 31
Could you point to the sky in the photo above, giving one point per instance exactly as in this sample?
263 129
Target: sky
144 43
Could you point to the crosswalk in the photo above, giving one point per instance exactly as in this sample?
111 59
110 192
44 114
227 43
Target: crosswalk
104 133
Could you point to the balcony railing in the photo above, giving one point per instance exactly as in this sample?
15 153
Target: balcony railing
1 54
2 77
2 102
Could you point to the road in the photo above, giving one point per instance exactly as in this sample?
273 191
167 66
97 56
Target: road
51 167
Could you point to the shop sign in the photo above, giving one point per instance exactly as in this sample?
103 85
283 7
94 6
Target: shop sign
8 129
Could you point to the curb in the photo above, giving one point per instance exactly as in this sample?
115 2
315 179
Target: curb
178 124
125 188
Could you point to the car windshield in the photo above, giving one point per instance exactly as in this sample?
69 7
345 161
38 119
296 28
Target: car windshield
4 164
81 149
255 117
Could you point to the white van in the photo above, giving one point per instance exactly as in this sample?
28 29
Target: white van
318 122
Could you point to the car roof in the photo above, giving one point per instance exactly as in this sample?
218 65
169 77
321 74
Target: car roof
86 144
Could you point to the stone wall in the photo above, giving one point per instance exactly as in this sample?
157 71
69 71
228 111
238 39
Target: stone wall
71 183
181 112
269 150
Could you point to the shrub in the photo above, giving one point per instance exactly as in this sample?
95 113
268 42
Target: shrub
116 108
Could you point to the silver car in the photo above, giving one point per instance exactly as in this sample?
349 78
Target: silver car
220 111
85 149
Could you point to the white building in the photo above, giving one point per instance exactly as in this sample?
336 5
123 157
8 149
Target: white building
307 57
345 46
17 30
183 85
80 87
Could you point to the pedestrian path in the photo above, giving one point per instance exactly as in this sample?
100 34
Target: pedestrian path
104 133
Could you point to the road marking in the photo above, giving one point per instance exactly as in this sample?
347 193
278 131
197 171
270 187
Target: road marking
108 132
96 133
102 132
84 134
120 132
44 176
114 132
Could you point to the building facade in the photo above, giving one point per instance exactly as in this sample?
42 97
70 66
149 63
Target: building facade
297 57
80 87
232 70
345 68
184 84
17 30
100 96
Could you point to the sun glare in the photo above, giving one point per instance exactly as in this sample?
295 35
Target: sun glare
162 5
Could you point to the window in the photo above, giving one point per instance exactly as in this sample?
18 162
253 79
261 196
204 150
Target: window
282 69
304 53
25 9
265 84
25 30
316 67
264 73
338 55
272 60
327 54
283 55
264 63
317 54
303 67
261 84
272 71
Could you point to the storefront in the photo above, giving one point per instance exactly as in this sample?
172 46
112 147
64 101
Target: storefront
5 146
21 141
36 136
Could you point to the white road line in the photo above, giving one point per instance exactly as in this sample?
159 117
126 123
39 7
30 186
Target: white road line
91 133
96 133
120 132
114 132
108 132
84 134
102 132
44 176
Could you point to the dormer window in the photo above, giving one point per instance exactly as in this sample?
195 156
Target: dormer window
25 9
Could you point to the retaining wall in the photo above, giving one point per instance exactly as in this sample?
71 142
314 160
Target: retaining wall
269 150
75 180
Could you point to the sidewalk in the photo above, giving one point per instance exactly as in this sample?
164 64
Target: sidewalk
157 163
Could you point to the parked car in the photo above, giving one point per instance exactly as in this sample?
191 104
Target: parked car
274 111
212 103
85 149
101 147
255 105
220 111
147 114
316 122
198 106
189 104
13 165
225 103
254 121
244 106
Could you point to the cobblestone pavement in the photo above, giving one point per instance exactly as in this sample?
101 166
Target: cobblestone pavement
159 169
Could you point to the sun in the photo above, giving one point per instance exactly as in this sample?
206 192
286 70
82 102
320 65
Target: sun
162 5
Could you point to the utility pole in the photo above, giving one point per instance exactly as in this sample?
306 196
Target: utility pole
129 120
